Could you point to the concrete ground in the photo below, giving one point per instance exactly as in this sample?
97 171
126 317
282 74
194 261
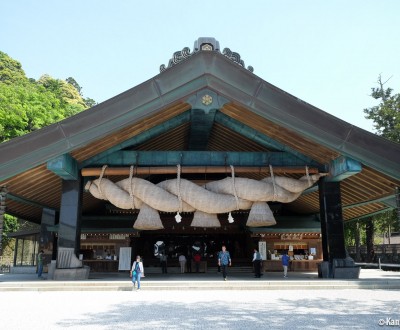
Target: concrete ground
187 308
208 309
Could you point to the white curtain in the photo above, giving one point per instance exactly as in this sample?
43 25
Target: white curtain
124 258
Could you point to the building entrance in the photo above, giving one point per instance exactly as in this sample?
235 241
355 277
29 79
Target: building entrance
151 246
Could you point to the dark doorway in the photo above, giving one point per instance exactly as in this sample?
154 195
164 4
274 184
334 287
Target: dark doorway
207 245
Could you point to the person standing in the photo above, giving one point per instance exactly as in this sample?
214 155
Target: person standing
40 264
182 261
189 261
224 260
257 263
197 260
163 259
285 263
136 272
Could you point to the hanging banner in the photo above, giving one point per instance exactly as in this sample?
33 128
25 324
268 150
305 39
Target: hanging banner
125 258
262 248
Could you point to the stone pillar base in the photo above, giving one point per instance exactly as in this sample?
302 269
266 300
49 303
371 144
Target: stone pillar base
71 274
338 269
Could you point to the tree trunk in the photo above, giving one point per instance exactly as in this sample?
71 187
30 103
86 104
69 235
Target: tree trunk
369 231
357 241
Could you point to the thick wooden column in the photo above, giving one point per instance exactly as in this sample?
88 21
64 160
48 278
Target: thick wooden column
333 246
46 239
70 214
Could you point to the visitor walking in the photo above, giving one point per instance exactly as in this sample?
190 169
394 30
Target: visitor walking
257 263
163 259
197 260
182 262
285 263
189 262
224 260
136 272
40 264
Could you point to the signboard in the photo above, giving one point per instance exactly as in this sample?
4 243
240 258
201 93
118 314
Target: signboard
118 236
125 258
262 248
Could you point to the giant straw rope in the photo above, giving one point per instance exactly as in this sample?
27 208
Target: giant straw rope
180 195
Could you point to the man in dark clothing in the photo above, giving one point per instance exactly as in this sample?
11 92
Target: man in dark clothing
197 260
224 259
163 259
285 263
257 263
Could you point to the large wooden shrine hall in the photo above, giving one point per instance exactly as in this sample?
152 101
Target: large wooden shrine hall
203 154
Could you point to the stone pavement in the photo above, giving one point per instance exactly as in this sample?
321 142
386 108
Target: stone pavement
198 301
369 279
208 309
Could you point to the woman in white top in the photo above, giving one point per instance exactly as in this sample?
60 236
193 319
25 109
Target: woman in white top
136 272
182 261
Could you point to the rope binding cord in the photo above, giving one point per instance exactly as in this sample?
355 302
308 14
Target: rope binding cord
230 218
178 217
308 177
103 169
273 182
131 187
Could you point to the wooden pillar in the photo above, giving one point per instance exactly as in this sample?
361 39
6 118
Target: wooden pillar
333 244
46 240
70 214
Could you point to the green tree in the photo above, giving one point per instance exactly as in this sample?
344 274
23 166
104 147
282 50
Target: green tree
11 70
10 224
73 82
386 115
89 102
354 235
27 105
387 223
386 118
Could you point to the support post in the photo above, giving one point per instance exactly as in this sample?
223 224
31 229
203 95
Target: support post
70 215
46 240
332 230
68 266
331 220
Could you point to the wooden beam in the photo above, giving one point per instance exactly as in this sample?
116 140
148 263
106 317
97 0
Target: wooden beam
22 200
343 167
203 158
64 166
111 171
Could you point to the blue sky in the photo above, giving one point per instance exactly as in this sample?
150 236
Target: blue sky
327 53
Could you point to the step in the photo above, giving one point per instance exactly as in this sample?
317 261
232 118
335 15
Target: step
251 284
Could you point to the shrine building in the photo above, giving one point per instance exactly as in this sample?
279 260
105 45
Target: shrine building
203 154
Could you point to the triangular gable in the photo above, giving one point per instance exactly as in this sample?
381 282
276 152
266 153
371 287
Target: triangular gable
202 70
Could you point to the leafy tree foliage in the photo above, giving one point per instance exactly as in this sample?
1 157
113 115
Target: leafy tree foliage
27 105
73 82
386 115
10 224
10 70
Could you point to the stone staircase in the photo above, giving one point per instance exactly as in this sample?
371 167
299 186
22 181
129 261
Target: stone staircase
212 280
211 270
231 284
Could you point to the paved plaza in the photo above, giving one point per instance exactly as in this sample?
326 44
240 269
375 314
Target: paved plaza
186 308
236 309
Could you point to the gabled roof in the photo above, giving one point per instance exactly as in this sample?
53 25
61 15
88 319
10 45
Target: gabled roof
203 70
243 98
